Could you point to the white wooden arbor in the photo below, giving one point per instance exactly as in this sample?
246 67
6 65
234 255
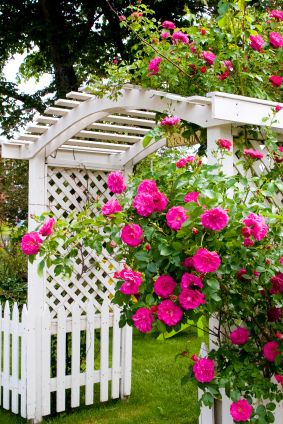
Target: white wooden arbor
70 150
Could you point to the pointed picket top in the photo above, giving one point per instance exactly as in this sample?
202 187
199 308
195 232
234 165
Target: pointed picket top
15 312
7 310
24 313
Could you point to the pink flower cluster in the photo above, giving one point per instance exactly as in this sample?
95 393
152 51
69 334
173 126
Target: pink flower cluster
168 25
132 235
214 219
270 351
276 14
149 199
241 410
205 261
276 80
181 37
115 182
190 280
192 196
276 40
164 286
132 281
191 299
255 227
170 121
239 336
111 207
256 42
175 217
143 320
254 154
209 57
277 283
224 144
181 163
203 370
153 66
169 313
31 242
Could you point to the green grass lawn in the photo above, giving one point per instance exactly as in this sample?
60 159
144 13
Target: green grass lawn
157 395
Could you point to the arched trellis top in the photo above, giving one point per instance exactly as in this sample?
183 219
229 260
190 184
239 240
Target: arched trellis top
107 133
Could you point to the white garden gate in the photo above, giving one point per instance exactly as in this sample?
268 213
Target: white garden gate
70 149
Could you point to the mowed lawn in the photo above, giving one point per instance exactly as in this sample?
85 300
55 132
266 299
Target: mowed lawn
157 394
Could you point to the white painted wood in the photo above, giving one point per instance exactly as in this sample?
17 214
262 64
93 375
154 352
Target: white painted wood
78 96
108 147
137 152
61 359
126 357
33 366
46 120
118 128
6 357
46 361
66 103
24 341
126 120
90 343
1 351
75 389
206 413
104 351
108 136
225 409
15 358
116 352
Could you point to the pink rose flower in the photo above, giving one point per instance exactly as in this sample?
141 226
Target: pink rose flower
276 39
228 64
191 197
170 121
160 201
180 36
223 76
224 144
175 217
254 154
256 42
115 182
132 281
241 410
147 186
189 280
281 260
165 35
188 262
214 219
190 158
248 242
257 226
122 18
279 378
276 14
47 228
277 283
274 314
132 235
111 207
206 261
203 370
239 336
276 80
278 108
209 57
153 66
143 320
181 163
30 243
168 25
164 286
169 313
144 204
241 273
270 351
191 299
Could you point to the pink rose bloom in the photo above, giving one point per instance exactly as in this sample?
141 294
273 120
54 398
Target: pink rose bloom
254 154
164 35
190 159
153 66
279 378
248 242
241 410
276 80
256 42
168 25
180 36
225 144
281 260
143 320
276 14
111 207
122 18
240 274
170 121
278 108
164 286
132 281
144 204
223 76
169 313
206 261
115 182
47 228
188 262
181 163
175 217
132 235
191 299
147 186
191 197
270 351
257 226
276 39
189 280
228 64
239 336
214 219
274 314
209 57
277 283
160 201
30 243
204 370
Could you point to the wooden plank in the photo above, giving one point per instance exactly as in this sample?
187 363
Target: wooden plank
15 359
79 96
6 357
225 405
37 129
127 334
104 351
32 366
23 385
46 361
116 354
102 146
118 128
61 359
47 120
66 103
75 389
57 111
1 350
90 341
108 136
119 119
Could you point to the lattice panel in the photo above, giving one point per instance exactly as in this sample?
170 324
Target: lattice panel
68 190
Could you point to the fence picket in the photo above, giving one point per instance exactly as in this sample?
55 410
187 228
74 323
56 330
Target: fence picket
126 360
15 358
90 340
75 389
1 319
31 365
46 361
6 365
61 359
116 352
104 351
23 385
206 413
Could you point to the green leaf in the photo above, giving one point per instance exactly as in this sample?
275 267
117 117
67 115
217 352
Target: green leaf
146 140
40 268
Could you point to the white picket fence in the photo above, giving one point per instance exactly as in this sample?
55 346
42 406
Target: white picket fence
106 358
220 412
